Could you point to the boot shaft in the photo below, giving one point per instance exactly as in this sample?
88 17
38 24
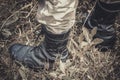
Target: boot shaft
103 17
105 13
55 41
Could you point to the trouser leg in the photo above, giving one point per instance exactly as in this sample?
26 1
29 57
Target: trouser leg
58 16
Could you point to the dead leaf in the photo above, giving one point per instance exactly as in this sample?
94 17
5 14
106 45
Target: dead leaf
83 44
61 76
81 38
62 66
97 41
75 44
90 78
6 33
94 31
68 63
22 73
66 78
86 33
53 74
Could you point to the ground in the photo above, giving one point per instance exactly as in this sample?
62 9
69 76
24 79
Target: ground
18 25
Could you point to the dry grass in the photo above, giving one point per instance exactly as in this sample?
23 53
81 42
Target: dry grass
18 24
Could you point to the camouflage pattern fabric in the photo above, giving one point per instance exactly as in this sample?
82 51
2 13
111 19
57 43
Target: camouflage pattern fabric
57 15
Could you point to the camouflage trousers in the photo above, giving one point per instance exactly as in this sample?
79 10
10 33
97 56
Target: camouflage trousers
58 16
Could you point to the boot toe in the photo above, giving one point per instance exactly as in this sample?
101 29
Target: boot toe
14 51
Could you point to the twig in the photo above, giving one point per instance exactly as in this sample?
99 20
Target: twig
31 10
89 15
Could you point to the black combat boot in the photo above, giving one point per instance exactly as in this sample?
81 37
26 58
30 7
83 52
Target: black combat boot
35 57
103 17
